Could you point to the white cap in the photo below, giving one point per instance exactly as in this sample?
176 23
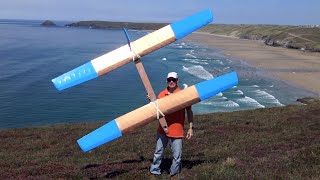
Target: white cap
173 75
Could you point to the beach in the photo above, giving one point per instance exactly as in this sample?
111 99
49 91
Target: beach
296 67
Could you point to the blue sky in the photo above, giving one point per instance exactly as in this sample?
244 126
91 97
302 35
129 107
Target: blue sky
292 12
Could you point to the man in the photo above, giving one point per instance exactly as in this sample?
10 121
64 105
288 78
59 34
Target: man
175 134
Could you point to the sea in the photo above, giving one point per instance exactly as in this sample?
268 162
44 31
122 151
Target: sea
32 55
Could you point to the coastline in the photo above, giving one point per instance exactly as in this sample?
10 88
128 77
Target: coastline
301 69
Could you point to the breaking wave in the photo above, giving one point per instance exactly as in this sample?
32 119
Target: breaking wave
198 71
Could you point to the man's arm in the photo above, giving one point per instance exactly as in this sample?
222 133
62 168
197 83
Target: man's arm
190 119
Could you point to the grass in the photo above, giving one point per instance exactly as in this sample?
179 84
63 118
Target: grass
295 37
273 143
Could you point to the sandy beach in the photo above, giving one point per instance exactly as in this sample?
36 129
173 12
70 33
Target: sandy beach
301 69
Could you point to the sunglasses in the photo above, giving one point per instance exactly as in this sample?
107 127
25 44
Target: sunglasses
172 79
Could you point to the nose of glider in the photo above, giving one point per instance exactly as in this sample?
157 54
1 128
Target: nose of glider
189 24
104 134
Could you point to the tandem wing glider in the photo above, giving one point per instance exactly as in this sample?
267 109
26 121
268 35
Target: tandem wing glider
148 113
123 55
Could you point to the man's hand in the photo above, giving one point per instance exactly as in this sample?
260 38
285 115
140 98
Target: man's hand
190 133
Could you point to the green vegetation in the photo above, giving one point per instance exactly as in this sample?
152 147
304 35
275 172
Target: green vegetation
302 38
273 143
295 37
117 25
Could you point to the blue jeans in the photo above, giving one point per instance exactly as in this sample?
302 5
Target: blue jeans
176 149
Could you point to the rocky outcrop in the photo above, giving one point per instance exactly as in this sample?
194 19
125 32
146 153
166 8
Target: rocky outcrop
48 23
283 40
309 100
291 44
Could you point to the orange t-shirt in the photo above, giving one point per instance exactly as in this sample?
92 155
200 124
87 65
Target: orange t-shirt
174 120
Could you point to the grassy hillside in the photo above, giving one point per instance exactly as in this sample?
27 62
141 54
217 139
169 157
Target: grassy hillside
274 143
302 38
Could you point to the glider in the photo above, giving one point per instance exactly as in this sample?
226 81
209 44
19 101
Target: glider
158 108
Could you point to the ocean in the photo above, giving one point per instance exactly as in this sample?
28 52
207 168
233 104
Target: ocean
32 55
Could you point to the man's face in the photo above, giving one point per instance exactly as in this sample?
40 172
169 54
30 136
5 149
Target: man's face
172 82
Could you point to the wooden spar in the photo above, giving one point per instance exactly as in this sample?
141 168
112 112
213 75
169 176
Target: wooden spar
147 85
145 80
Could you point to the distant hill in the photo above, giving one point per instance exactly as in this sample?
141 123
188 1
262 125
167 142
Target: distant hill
117 25
48 23
294 37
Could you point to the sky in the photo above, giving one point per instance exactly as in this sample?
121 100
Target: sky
283 12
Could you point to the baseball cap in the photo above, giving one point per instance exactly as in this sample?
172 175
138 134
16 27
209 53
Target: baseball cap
173 75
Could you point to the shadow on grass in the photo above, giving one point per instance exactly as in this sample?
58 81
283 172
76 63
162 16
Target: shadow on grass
113 170
115 173
91 166
141 159
166 163
97 171
188 164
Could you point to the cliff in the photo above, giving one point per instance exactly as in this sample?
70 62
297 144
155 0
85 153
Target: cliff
294 37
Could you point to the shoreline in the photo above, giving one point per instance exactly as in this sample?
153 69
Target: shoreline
300 69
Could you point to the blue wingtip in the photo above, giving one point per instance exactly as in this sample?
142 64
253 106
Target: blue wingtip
192 23
102 135
79 75
212 87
